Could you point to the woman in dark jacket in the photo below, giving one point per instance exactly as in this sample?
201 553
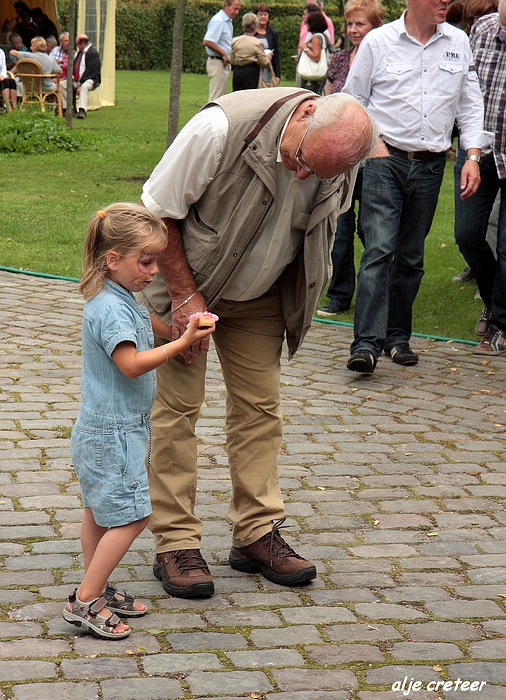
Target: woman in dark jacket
270 38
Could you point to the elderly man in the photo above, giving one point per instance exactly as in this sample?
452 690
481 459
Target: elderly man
60 52
250 192
415 77
218 44
86 74
471 216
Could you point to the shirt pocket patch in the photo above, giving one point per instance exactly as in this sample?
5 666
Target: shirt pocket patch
400 76
450 75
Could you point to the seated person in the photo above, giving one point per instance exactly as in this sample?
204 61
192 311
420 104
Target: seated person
86 76
17 44
51 44
7 85
38 53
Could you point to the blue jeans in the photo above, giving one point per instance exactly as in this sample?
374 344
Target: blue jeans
399 198
471 221
342 284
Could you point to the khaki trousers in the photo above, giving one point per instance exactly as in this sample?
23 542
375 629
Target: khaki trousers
218 74
248 338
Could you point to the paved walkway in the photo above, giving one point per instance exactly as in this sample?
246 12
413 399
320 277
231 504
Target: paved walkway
394 486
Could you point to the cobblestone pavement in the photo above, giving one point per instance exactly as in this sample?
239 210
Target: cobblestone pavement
394 486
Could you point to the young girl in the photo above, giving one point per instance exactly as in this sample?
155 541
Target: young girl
110 436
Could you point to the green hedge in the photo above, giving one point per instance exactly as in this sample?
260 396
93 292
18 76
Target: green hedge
144 31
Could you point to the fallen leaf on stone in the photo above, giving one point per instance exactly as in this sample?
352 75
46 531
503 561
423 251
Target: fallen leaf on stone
437 668
155 631
432 534
321 488
474 522
408 454
485 391
502 595
142 650
129 652
376 522
368 397
453 369
498 425
370 627
354 389
484 362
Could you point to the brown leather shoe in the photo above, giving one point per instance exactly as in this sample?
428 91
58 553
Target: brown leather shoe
184 573
274 558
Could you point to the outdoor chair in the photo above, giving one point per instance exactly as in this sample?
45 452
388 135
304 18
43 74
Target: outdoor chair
31 75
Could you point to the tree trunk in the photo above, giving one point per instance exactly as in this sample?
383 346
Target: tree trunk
70 63
175 71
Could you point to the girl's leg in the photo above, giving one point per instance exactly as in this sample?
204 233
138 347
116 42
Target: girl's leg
14 98
103 549
109 550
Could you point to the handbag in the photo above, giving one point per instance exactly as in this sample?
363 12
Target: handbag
264 84
314 70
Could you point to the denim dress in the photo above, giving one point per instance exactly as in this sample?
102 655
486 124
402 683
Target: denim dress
110 437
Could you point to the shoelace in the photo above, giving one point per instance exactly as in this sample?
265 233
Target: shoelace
277 546
188 560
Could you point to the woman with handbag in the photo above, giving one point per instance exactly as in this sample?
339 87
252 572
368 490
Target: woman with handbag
248 56
313 59
269 77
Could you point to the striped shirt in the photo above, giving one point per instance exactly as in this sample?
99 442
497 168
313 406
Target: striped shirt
489 51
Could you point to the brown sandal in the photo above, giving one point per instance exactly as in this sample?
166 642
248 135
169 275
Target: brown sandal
87 615
123 605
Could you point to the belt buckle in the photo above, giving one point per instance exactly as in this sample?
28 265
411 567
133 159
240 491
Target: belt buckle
411 155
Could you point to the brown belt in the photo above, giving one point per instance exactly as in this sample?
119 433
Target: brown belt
415 155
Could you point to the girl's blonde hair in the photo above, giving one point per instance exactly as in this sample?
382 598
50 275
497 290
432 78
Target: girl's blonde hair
124 228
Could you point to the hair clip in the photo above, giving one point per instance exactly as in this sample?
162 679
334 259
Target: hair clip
101 214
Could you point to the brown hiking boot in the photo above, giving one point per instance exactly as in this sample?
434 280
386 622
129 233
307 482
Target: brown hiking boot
274 558
184 573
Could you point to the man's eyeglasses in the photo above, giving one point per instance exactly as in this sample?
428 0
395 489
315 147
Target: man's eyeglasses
300 160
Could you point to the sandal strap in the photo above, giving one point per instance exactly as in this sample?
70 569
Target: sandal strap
110 595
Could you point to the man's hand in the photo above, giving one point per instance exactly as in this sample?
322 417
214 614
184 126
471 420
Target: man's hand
180 321
469 179
226 59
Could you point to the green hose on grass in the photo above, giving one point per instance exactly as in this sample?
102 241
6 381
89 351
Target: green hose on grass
315 318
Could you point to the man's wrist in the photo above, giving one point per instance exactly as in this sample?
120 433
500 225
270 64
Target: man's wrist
473 156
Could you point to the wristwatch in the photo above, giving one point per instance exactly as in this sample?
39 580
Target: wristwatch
473 157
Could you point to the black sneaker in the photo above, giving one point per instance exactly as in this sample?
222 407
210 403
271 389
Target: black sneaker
331 309
465 276
402 354
362 361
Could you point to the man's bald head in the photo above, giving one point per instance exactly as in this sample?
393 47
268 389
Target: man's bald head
346 128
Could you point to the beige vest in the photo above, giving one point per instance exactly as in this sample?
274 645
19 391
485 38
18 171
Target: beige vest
221 227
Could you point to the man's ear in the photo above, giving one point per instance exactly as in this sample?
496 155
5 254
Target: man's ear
308 109
112 260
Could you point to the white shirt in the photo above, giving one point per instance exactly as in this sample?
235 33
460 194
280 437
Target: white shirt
416 91
220 31
3 65
183 174
82 65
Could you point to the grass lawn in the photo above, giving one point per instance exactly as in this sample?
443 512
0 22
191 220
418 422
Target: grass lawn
49 199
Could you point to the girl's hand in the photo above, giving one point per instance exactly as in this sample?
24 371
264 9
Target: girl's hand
193 334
